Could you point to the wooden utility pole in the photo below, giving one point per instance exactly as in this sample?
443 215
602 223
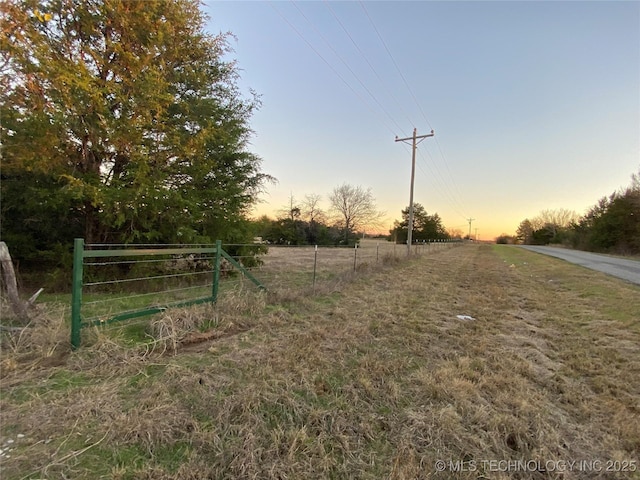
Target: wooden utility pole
414 144
470 220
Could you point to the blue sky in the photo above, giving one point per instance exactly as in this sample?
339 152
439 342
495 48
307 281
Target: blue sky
535 105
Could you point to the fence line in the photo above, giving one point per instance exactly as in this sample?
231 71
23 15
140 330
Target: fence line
147 279
304 267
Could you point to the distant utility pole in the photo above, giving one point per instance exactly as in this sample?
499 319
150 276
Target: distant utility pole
414 144
470 220
476 234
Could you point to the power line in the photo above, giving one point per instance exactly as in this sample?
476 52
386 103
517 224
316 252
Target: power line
436 174
455 202
346 65
325 61
440 188
395 63
375 72
446 164
450 194
412 95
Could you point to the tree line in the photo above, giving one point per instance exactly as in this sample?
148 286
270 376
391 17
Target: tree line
352 212
612 225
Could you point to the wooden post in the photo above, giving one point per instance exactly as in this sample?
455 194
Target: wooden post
9 276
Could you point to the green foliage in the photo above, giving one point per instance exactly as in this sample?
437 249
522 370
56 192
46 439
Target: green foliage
543 236
611 225
425 227
285 231
524 234
121 123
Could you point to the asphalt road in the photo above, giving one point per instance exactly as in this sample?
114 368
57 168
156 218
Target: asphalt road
623 268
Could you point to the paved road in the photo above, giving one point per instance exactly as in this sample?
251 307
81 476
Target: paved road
623 268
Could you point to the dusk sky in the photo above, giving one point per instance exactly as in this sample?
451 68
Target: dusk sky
535 105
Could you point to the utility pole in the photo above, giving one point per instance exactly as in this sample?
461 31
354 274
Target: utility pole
414 143
470 220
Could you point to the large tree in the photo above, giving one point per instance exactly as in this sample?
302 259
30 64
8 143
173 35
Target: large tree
524 234
314 215
354 208
425 226
122 122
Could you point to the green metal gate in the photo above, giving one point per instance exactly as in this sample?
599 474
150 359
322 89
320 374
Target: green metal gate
80 253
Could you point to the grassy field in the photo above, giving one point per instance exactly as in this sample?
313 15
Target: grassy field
375 377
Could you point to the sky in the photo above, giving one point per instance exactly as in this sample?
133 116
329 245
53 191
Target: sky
534 105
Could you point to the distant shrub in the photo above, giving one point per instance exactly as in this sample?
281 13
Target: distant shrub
505 239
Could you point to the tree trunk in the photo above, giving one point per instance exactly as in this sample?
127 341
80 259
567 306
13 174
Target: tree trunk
9 276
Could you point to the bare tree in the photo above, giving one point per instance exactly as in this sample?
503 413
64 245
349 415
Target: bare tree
560 217
291 211
311 208
313 215
354 208
554 220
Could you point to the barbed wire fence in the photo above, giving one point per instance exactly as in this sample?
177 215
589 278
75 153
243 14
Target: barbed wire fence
126 282
308 267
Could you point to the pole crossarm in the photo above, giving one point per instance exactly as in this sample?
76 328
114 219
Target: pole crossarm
417 137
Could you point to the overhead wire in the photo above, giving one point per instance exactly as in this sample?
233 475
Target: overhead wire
435 174
375 72
444 191
326 62
413 96
395 63
346 65
446 164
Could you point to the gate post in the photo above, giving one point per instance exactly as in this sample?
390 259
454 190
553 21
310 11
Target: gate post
76 292
216 272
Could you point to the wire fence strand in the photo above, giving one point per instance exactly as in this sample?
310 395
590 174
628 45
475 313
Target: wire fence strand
278 267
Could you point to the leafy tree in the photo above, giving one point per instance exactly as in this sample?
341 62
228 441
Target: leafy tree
425 226
544 235
613 224
354 208
123 115
524 234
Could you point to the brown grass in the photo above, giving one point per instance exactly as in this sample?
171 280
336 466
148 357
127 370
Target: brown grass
377 379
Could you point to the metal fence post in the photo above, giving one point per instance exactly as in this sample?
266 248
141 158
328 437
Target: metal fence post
355 256
315 262
76 292
216 272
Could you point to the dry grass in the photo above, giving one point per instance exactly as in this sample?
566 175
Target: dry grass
291 268
375 379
